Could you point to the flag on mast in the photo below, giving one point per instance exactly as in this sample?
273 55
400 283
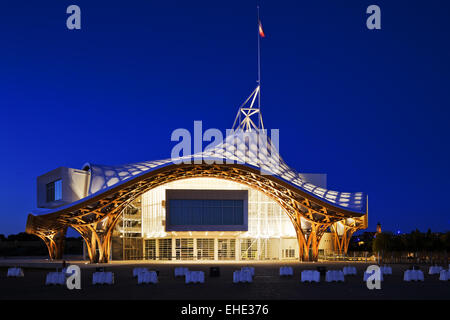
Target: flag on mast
261 31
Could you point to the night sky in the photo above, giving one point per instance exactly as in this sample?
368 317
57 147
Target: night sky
368 107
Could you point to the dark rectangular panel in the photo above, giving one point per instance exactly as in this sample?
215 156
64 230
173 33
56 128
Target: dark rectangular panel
206 210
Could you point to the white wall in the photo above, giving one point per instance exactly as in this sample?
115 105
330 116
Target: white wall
75 184
265 217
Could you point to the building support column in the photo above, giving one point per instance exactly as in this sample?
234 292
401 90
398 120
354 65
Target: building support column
157 249
296 221
216 249
195 253
60 242
341 242
54 242
237 255
302 252
258 249
310 240
280 253
174 249
318 229
97 237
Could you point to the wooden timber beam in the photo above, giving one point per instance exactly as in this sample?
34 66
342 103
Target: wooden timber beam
85 215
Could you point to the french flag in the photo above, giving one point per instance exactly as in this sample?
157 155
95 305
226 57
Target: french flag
261 31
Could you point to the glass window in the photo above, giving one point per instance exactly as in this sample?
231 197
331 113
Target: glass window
249 249
165 249
188 212
150 249
227 249
184 249
289 253
58 190
205 249
54 191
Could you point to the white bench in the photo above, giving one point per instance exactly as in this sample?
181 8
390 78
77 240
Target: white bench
137 271
55 278
15 272
181 271
103 278
334 275
444 275
147 277
349 271
243 275
386 270
251 269
413 275
368 274
286 271
435 270
195 277
310 276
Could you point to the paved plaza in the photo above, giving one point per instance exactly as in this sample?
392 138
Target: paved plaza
267 284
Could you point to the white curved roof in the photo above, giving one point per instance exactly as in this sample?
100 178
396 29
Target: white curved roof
242 148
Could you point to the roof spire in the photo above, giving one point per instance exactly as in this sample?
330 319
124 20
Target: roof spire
249 109
245 118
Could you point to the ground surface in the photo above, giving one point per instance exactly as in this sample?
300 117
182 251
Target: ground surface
267 284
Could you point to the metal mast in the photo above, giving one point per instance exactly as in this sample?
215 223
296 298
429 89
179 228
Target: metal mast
259 56
248 111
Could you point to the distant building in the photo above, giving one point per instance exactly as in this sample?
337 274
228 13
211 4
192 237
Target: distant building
378 227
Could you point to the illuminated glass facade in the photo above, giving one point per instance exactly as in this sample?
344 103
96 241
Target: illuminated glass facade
142 233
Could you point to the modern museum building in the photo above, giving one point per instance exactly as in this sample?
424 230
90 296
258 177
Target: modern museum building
230 202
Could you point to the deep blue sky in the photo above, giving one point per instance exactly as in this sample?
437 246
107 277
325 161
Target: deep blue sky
369 108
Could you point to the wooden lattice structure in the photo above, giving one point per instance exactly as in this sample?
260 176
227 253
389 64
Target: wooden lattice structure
95 217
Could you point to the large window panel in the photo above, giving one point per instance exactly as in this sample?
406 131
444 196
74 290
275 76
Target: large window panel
54 191
206 210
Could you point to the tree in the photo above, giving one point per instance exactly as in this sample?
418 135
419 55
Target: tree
415 241
382 242
22 236
445 239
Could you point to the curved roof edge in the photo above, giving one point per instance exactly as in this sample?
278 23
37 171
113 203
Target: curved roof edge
243 148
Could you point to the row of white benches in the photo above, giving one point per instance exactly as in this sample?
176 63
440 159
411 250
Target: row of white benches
59 278
245 274
239 276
